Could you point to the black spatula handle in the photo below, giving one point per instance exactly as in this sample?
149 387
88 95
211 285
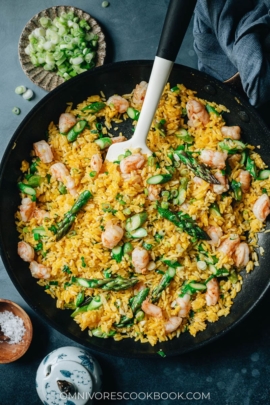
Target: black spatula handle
175 26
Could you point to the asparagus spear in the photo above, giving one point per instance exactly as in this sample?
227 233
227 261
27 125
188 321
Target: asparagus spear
184 222
135 305
61 232
198 169
64 226
113 284
164 282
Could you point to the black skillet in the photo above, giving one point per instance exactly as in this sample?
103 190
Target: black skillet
121 78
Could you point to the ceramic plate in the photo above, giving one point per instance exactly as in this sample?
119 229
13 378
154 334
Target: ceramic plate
45 79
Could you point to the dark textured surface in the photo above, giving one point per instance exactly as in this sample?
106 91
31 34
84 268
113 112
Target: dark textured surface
235 370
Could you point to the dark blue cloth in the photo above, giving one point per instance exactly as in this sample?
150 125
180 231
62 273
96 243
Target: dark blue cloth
233 36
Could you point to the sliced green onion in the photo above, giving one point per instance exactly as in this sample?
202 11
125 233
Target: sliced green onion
105 4
62 188
20 90
127 211
264 174
16 110
127 248
174 89
147 246
117 253
133 114
103 143
28 94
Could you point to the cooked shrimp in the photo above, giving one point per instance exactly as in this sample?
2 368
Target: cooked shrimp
96 163
185 306
245 180
234 160
215 233
261 208
231 132
118 139
196 113
139 93
153 192
151 309
198 180
224 184
214 158
139 287
229 245
133 178
26 252
61 173
27 209
112 235
140 259
120 104
66 122
241 255
39 271
132 162
39 215
43 150
212 293
172 324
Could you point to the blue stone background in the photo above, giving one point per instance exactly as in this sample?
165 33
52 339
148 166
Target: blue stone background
235 370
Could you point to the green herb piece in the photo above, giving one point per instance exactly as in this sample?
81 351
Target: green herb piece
211 109
161 353
94 107
83 262
107 208
62 188
66 269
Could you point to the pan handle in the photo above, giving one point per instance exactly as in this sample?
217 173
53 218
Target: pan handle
175 26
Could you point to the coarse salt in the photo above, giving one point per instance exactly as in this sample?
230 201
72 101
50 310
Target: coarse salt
12 326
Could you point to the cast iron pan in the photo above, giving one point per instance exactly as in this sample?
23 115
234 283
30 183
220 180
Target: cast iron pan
121 78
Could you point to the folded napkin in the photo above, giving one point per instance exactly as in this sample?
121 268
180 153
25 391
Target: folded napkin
234 36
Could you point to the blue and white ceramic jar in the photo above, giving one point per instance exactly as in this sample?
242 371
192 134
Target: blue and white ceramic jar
68 376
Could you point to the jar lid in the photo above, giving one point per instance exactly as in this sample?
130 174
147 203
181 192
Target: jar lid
68 376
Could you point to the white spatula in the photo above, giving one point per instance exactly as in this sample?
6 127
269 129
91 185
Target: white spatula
176 22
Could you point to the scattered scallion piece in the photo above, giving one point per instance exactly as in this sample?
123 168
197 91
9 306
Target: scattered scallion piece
133 114
16 110
117 253
20 90
211 109
103 143
105 4
161 353
28 94
93 173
